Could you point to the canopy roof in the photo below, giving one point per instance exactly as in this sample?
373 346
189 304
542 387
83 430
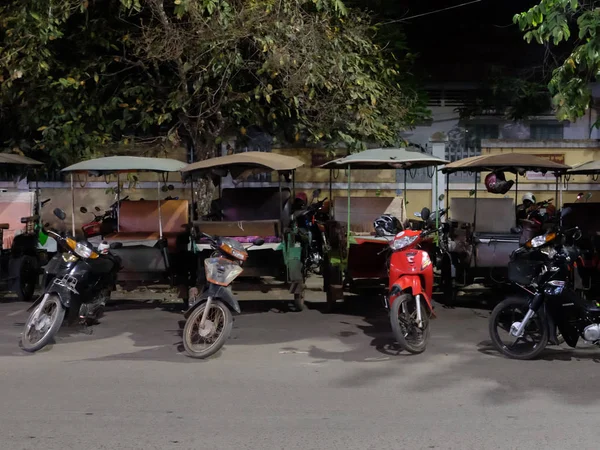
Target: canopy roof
13 158
114 164
588 168
509 162
240 163
386 158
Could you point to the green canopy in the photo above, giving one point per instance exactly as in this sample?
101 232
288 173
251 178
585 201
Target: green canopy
115 164
13 158
386 158
588 168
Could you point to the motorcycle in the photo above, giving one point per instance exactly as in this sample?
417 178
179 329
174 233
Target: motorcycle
411 286
310 222
83 280
209 317
546 269
102 224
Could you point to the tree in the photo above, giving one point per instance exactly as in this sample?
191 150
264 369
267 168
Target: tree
567 22
78 74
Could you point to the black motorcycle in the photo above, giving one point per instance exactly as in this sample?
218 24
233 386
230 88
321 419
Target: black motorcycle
79 281
310 222
547 269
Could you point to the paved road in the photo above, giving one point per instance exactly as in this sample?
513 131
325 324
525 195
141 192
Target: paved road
290 381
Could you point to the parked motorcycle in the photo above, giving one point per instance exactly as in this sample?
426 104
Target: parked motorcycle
209 318
411 287
546 269
102 224
310 221
82 282
29 252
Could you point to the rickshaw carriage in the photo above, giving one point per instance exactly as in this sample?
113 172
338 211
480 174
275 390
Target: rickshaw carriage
483 232
586 216
357 257
246 214
23 251
154 233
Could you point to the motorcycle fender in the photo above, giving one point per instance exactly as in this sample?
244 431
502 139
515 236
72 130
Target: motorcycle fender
63 294
413 284
215 291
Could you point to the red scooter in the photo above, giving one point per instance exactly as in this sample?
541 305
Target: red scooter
411 286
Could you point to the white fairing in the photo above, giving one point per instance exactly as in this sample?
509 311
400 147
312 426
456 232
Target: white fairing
592 333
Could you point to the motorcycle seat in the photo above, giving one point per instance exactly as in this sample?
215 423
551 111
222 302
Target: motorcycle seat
4 226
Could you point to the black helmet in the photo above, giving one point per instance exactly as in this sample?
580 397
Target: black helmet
387 225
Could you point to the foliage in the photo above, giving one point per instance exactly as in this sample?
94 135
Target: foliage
516 98
76 74
556 22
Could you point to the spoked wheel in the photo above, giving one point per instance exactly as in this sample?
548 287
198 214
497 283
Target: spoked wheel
202 342
510 313
43 323
411 335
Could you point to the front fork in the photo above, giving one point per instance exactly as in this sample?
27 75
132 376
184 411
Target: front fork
205 312
518 329
418 306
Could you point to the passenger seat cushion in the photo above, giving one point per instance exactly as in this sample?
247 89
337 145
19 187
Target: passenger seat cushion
142 216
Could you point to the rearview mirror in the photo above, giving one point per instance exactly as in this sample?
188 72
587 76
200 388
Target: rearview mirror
258 242
316 193
164 188
441 197
60 214
97 209
425 214
83 210
170 187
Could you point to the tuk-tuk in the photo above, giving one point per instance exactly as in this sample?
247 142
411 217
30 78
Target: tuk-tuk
586 216
248 213
24 248
356 255
484 232
154 233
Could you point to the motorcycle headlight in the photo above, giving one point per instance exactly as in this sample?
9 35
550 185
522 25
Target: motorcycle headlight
221 271
83 251
402 242
538 241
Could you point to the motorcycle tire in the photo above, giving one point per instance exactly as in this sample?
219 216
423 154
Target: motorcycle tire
57 321
400 335
194 318
497 342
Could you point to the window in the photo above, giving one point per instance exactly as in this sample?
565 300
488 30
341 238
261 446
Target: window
544 132
464 142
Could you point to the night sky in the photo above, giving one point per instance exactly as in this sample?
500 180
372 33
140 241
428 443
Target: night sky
461 44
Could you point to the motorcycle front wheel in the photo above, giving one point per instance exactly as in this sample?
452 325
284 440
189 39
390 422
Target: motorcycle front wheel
203 342
43 323
535 337
403 317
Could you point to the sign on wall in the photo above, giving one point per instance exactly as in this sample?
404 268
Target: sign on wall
555 157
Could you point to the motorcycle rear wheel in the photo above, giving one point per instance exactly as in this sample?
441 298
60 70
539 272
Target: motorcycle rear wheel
404 324
55 313
216 330
513 310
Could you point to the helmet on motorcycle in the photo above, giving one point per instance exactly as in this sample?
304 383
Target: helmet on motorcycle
387 225
528 197
302 196
495 183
